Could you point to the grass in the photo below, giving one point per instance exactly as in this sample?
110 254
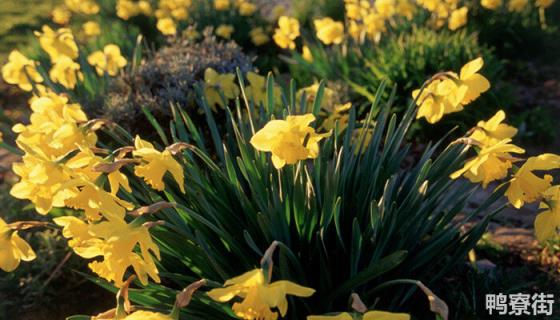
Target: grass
18 18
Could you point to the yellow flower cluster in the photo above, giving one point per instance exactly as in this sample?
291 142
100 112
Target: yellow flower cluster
169 12
91 29
329 31
61 15
446 12
494 161
108 61
21 71
495 154
244 7
214 83
259 36
127 9
82 6
368 21
63 52
449 92
224 31
286 33
60 168
256 90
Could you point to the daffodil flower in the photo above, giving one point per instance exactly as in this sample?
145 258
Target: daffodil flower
259 297
109 60
289 140
286 33
329 31
214 83
155 164
58 43
547 223
492 163
66 72
13 249
492 131
526 186
21 71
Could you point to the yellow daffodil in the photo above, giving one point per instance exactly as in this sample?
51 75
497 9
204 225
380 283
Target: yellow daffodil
115 241
53 130
82 6
329 95
458 18
127 9
40 182
66 72
547 223
338 114
57 43
155 164
492 131
306 54
257 89
259 297
491 4
471 82
96 202
374 25
370 315
385 8
289 140
21 71
329 31
525 186
61 15
109 60
286 33
437 99
492 163
221 5
259 36
247 8
224 31
356 9
78 233
174 9
517 5
214 83
145 8
91 29
406 9
13 249
167 26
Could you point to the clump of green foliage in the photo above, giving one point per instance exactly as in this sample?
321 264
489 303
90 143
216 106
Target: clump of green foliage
364 212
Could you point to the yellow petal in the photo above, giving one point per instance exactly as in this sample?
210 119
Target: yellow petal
471 68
